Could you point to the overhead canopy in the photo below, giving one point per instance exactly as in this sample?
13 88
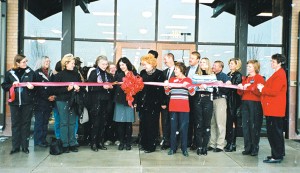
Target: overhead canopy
273 7
42 9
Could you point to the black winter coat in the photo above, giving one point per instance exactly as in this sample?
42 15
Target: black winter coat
234 99
23 94
43 92
151 98
98 93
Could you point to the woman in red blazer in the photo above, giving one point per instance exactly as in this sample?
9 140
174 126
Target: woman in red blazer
273 99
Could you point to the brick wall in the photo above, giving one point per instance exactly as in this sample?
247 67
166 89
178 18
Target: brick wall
293 68
12 31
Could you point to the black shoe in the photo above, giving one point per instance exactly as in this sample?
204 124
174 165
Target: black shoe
94 147
254 153
128 147
121 147
164 147
230 148
199 151
193 147
73 149
148 151
15 151
101 147
227 146
25 150
66 150
271 160
217 150
185 153
171 152
210 148
246 152
204 151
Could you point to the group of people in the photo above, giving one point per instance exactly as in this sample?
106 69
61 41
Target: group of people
204 116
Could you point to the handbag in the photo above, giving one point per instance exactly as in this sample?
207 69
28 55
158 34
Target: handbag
84 117
56 147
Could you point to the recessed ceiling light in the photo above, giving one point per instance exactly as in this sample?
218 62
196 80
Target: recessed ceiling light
200 1
227 51
118 33
177 16
176 27
217 55
106 24
104 13
41 41
147 14
56 31
143 31
265 14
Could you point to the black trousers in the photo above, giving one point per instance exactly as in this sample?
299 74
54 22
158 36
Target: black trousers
166 127
192 127
20 125
149 122
275 136
231 120
252 120
124 132
110 128
98 115
203 110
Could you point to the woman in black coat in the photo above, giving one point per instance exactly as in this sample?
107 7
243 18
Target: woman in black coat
43 102
21 107
233 104
150 102
99 96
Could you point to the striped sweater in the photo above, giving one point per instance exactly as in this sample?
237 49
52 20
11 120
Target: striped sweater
179 100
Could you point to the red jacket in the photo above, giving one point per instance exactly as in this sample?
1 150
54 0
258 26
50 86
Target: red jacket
274 95
251 93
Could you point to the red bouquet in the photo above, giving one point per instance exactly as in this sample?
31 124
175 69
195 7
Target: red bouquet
131 85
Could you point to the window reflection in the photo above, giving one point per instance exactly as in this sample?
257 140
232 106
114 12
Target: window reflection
136 21
176 21
89 51
269 32
214 29
49 27
98 24
179 56
214 53
35 49
134 55
263 55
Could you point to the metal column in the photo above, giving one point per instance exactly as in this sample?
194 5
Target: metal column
68 25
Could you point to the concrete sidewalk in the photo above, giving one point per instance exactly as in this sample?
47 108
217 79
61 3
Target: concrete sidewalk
112 160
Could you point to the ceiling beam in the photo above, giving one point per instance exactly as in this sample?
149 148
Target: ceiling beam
84 5
222 6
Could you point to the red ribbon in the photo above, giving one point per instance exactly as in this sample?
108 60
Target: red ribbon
131 85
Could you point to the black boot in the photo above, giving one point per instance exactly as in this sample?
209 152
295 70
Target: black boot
232 145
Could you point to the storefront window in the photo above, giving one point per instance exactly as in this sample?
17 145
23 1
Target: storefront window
176 21
98 24
136 21
35 49
269 32
219 29
48 27
89 51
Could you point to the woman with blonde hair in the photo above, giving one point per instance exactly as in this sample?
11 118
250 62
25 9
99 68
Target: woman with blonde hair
233 104
251 108
150 102
21 107
66 111
203 105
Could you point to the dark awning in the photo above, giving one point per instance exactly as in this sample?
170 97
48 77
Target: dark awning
255 7
42 9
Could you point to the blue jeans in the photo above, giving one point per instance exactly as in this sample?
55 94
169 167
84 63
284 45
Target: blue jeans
67 123
41 125
181 119
57 123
